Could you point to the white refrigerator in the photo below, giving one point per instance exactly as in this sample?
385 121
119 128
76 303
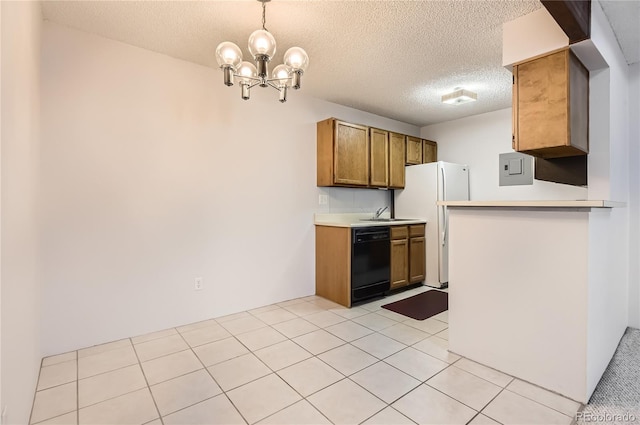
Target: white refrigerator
425 184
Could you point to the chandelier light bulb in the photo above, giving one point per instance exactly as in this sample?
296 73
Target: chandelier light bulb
246 72
296 58
228 53
261 42
280 72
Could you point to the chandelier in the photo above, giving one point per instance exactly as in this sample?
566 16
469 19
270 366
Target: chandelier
262 47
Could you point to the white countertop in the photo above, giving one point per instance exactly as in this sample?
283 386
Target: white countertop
359 220
535 204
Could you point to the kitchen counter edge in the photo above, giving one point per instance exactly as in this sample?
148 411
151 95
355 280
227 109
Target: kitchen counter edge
359 220
536 204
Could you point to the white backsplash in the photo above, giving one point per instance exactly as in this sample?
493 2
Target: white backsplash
347 200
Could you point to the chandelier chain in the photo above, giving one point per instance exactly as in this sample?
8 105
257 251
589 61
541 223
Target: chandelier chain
264 13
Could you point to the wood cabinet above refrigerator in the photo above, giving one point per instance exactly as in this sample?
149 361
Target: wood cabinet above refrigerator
551 106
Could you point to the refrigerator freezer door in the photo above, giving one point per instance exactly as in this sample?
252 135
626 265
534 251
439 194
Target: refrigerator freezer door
457 182
419 196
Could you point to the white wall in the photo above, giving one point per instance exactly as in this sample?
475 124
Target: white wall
609 240
531 35
20 302
478 141
153 173
634 195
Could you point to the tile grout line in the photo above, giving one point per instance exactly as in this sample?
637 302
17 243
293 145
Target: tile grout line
144 375
111 398
153 338
282 379
538 402
77 389
491 401
98 345
478 376
274 372
223 392
36 392
287 383
581 405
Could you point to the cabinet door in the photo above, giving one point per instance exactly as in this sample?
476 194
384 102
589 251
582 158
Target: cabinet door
397 149
417 258
379 172
414 151
429 151
351 154
399 263
550 106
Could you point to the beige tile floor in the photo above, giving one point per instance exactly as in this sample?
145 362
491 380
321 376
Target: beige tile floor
303 361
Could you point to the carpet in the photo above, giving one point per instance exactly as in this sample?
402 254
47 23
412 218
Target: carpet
421 306
616 399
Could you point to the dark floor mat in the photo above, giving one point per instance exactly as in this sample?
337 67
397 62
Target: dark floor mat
421 306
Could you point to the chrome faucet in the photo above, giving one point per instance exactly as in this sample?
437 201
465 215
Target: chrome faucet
379 212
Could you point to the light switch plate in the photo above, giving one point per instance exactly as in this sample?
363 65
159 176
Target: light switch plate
515 169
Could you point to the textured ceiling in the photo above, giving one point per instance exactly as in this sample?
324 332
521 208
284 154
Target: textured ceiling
624 17
392 58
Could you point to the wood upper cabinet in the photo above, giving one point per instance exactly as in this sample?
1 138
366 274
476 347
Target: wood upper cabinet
343 154
379 159
429 151
417 253
414 151
551 106
353 155
397 149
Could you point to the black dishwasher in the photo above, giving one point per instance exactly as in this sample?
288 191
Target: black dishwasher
370 258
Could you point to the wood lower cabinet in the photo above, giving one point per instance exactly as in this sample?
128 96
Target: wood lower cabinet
551 106
414 151
417 253
429 151
399 256
397 154
408 255
333 264
343 154
379 158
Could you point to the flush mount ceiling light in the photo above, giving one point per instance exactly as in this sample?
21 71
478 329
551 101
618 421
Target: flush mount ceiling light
459 96
262 47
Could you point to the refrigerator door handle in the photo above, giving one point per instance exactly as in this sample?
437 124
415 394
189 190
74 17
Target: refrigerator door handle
444 233
444 209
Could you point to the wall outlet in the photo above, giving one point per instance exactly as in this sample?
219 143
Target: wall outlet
322 200
198 284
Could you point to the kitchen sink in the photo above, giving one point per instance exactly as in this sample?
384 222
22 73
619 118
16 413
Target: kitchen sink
387 219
